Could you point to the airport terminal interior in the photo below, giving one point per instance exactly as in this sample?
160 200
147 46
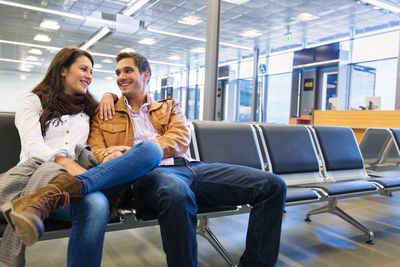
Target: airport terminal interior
286 62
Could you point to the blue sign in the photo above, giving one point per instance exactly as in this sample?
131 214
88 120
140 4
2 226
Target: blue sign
262 68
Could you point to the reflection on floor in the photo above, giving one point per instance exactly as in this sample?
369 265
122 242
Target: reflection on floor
326 241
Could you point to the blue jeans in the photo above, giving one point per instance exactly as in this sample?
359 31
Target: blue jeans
89 218
89 221
128 167
174 192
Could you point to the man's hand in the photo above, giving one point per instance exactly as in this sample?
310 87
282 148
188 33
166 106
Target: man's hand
106 107
112 155
112 149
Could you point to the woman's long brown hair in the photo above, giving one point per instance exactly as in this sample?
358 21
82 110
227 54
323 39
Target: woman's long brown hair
55 102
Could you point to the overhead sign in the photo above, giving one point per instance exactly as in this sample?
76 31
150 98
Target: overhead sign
262 68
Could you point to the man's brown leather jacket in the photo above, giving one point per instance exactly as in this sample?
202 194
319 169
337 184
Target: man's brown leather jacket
166 117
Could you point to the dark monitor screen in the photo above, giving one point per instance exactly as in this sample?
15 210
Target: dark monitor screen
304 56
316 54
327 52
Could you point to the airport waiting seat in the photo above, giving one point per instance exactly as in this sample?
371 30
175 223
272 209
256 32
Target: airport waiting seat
237 143
380 150
343 159
292 154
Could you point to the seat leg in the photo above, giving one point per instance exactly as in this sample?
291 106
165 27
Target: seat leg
316 211
204 231
342 214
334 209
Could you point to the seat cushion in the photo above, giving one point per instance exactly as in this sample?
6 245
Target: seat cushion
387 182
345 187
300 194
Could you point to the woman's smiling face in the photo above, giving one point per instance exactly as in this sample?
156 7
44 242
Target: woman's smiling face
78 76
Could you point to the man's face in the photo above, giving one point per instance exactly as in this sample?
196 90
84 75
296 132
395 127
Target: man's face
130 81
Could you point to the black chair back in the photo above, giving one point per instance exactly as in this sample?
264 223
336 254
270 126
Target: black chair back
10 144
290 149
230 143
339 148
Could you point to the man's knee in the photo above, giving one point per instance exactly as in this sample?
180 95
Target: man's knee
176 196
273 183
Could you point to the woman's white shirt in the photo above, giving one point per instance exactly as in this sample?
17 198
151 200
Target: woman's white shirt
61 138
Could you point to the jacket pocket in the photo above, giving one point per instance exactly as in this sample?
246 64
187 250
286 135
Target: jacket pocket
113 127
114 133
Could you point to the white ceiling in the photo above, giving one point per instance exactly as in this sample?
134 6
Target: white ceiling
336 19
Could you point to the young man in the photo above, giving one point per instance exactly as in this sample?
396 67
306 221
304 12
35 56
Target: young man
173 188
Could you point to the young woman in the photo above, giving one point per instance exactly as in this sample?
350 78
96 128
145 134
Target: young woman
51 121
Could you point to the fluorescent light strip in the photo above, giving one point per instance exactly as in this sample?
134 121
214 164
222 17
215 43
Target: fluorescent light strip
316 64
96 37
92 53
20 61
55 12
135 7
196 38
166 63
101 54
383 5
176 35
106 71
237 46
32 45
40 9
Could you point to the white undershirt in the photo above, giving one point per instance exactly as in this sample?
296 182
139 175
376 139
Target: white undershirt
62 138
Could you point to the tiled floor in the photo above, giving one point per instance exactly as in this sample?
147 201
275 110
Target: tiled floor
326 241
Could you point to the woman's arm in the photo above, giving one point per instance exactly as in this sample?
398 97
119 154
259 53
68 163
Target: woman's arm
27 122
68 164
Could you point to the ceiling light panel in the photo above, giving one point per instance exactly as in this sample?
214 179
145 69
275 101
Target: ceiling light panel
236 2
175 57
251 33
305 17
198 50
190 20
107 60
35 51
50 24
42 38
32 58
147 41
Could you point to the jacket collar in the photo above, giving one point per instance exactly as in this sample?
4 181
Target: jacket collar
120 106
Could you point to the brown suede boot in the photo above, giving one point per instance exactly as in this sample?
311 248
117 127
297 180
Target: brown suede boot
26 214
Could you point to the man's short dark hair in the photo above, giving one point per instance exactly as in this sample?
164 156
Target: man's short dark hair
139 60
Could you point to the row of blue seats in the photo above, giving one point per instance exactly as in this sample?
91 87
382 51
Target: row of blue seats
319 164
